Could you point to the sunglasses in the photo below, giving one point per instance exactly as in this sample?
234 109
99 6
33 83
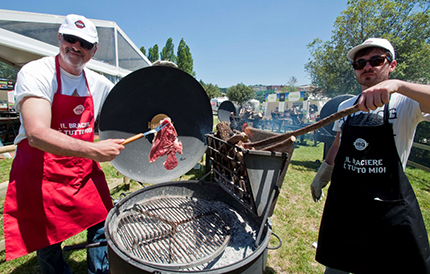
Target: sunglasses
375 61
73 39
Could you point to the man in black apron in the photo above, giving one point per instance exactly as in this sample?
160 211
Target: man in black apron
372 222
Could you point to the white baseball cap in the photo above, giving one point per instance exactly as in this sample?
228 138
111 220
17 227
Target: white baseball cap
372 42
79 26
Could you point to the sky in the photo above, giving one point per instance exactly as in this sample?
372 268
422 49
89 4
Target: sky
231 41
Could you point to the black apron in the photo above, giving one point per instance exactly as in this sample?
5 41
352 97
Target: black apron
371 222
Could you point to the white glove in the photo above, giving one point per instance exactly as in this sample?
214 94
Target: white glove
321 180
165 63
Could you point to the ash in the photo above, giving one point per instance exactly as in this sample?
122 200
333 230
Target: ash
243 236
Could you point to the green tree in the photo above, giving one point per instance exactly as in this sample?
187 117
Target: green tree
292 84
405 23
240 93
211 90
422 136
153 53
7 71
143 50
167 53
184 59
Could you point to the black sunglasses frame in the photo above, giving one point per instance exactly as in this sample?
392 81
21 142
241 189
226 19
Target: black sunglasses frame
73 39
375 61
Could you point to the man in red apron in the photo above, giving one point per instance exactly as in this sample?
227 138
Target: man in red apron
56 188
372 222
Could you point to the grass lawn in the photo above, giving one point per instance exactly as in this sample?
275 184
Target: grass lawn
295 220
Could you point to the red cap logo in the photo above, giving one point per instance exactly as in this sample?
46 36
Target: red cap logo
79 24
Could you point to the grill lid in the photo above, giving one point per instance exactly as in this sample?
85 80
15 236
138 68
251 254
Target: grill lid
144 97
225 110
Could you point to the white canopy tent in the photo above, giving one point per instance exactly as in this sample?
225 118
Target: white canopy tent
26 36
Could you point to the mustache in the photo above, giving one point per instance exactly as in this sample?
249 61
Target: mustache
367 71
73 50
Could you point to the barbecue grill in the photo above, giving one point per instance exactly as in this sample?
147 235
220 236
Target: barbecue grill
212 226
173 231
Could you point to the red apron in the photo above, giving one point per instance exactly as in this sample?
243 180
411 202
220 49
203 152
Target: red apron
50 197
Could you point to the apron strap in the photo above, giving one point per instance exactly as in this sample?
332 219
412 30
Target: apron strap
58 73
58 76
387 111
349 116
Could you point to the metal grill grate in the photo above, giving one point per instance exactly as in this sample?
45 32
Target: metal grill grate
173 232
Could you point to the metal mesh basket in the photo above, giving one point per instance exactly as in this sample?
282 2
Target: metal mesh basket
254 177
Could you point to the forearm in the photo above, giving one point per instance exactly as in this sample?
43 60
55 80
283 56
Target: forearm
331 154
417 92
55 142
36 117
379 94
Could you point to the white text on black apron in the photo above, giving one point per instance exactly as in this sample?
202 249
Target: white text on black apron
371 166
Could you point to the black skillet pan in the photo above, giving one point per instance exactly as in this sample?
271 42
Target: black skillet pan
225 110
138 102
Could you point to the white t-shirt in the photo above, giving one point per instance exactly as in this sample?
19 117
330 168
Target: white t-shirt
405 114
38 78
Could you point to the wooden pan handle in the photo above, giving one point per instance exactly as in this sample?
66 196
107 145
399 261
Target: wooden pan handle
132 138
323 122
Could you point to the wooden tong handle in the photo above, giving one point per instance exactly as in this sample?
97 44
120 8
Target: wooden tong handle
273 147
132 138
323 122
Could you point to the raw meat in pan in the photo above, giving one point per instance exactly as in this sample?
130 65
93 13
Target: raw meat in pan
166 143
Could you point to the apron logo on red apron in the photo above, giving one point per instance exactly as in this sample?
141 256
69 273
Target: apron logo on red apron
360 144
79 109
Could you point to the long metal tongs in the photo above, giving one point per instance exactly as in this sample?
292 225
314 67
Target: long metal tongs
277 139
141 135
